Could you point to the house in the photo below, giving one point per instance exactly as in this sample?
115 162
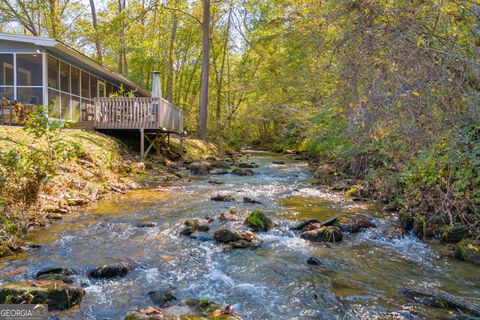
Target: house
45 71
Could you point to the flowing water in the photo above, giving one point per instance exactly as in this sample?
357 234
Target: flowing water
359 278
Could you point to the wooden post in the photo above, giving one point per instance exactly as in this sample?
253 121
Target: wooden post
142 143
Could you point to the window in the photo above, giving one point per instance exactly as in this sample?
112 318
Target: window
75 81
29 70
30 96
85 85
93 87
6 69
52 73
7 93
64 77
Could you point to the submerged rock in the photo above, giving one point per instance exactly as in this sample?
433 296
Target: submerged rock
162 297
57 277
323 234
360 223
221 197
249 200
243 172
57 270
58 295
258 221
278 162
246 165
215 182
108 271
146 224
201 167
439 299
469 251
314 261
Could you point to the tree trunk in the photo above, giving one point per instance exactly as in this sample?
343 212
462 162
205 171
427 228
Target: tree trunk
98 47
205 70
170 56
222 69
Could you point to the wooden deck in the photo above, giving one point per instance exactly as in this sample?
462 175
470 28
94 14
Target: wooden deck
137 113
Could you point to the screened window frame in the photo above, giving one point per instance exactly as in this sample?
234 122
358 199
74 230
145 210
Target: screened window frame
15 86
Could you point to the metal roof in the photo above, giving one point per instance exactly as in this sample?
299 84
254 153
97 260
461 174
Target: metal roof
58 45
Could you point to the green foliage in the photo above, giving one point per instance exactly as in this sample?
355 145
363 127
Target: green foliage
255 220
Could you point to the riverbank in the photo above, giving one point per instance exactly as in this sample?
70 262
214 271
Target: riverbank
413 213
43 178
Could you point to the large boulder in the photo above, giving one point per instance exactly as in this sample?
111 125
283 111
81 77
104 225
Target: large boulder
200 167
56 294
323 234
258 221
243 172
108 271
439 299
453 234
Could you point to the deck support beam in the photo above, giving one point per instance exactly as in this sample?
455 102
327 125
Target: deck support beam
142 143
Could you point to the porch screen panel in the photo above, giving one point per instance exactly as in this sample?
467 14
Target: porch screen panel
54 103
64 77
75 109
85 85
53 69
29 70
75 81
65 112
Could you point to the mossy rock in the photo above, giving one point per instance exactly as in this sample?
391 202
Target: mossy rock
58 295
191 222
258 221
468 250
453 234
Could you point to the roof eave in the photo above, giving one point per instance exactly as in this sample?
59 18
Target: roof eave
95 65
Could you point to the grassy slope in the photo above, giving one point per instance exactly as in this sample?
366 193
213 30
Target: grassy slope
98 165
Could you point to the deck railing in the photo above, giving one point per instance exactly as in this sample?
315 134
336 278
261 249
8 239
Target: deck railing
136 113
